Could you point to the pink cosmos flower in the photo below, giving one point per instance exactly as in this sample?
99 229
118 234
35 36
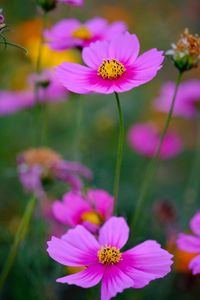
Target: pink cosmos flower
187 100
72 33
49 90
37 165
191 243
112 66
72 2
144 139
90 210
104 261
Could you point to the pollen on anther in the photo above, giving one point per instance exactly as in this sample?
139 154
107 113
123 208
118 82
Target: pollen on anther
109 255
111 69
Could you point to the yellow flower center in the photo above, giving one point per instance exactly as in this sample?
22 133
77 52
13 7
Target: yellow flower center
109 255
82 33
41 156
111 69
92 217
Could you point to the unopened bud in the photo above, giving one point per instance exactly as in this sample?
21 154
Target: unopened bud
47 5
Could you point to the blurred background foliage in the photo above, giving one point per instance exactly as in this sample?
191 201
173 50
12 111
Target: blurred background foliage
85 129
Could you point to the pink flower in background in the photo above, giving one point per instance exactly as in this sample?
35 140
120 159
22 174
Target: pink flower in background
187 100
72 2
49 90
104 260
90 210
38 165
144 139
112 66
191 243
72 33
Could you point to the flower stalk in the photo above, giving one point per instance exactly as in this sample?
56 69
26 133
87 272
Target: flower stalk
119 150
151 169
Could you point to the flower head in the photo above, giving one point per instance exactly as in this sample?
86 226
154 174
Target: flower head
187 99
186 52
111 67
105 261
144 139
90 210
191 243
72 2
49 90
2 20
72 33
40 164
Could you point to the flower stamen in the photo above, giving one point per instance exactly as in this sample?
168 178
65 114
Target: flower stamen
109 255
82 33
111 69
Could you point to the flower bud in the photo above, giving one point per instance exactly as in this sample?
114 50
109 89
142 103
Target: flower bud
2 20
47 5
186 52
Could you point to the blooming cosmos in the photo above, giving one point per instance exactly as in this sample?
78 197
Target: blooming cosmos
89 210
104 261
112 66
144 139
72 2
49 90
191 243
187 99
70 33
40 164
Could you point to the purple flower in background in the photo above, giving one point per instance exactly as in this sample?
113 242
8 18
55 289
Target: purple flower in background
191 243
144 139
72 2
37 165
72 33
112 66
187 99
49 90
104 261
89 210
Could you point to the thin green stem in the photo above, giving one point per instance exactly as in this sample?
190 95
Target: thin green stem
151 169
119 150
19 237
5 43
192 186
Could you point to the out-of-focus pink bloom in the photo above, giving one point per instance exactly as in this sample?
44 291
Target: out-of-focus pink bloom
90 210
191 243
105 262
49 90
111 67
72 2
37 165
187 99
144 139
72 33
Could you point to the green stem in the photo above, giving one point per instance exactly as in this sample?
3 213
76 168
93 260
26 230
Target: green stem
19 237
192 187
5 43
119 150
151 169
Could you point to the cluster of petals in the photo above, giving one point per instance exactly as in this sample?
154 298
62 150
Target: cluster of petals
36 165
144 139
89 210
191 243
69 33
187 99
112 66
72 2
49 90
133 268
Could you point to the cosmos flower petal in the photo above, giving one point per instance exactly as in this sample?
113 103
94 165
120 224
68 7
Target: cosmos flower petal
102 201
195 265
146 262
89 277
188 243
149 61
114 281
96 25
74 77
195 223
78 247
12 102
127 53
115 28
94 55
114 232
